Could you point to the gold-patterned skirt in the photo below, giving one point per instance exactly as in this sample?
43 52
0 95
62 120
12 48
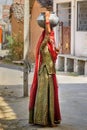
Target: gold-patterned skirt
43 112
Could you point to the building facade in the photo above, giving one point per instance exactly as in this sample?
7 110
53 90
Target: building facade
4 23
72 31
71 34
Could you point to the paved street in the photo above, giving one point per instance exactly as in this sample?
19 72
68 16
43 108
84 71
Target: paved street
14 108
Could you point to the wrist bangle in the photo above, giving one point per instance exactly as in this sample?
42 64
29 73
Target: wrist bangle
47 22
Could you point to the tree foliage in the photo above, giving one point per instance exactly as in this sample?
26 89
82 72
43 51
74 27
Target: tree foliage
15 46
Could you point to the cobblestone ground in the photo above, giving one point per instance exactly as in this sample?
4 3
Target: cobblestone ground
14 108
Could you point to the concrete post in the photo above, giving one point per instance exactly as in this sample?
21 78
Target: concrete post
26 46
85 70
65 65
75 65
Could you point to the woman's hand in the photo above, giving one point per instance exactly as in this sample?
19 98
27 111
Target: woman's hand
57 50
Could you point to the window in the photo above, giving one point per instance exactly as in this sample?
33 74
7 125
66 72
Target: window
64 13
82 16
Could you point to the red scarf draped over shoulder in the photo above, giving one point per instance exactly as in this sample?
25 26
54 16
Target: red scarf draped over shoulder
33 89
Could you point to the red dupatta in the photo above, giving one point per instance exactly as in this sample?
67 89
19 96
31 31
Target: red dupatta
33 89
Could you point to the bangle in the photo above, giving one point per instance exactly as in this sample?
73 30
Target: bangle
47 22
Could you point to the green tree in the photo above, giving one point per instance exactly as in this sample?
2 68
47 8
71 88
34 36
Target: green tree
15 46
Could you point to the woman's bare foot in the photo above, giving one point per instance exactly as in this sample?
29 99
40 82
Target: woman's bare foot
53 125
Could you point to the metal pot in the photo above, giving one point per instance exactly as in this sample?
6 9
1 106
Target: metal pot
53 19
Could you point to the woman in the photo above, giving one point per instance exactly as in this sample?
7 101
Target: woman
44 105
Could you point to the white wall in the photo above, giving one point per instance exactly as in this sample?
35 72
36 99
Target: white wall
81 44
80 38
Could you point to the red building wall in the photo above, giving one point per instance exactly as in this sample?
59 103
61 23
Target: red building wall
35 30
17 28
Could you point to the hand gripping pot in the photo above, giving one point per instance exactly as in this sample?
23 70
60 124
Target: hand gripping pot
53 20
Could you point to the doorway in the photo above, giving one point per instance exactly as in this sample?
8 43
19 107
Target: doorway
64 28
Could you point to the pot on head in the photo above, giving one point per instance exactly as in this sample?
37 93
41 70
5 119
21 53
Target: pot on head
53 20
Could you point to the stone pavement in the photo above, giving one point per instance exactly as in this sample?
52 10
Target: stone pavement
14 108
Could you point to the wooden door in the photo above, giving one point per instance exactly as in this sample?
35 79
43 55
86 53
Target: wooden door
66 40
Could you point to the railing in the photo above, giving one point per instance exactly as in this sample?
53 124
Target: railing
69 63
